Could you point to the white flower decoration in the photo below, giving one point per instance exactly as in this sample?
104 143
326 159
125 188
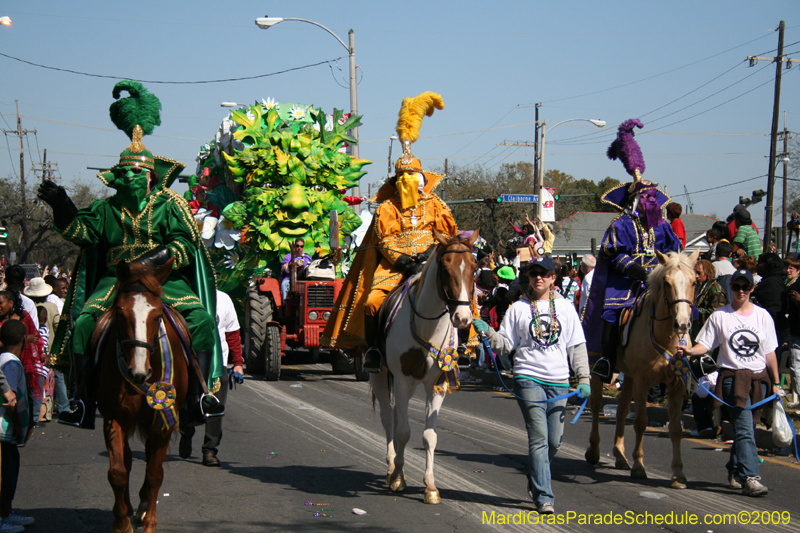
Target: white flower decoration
270 103
298 112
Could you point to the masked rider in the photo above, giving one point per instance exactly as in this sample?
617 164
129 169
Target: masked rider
396 245
627 252
145 222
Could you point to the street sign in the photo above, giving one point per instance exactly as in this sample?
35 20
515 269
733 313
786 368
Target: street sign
521 198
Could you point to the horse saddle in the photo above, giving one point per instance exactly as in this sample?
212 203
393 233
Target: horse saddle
628 317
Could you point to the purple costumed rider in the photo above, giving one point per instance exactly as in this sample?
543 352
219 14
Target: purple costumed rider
628 251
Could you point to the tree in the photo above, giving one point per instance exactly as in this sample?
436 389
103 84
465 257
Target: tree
517 178
45 245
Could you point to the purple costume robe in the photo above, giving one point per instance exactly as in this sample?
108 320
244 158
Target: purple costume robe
612 290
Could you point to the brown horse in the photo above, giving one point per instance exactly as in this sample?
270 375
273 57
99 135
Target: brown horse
142 385
666 316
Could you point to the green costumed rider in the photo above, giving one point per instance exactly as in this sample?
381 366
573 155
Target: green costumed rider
145 222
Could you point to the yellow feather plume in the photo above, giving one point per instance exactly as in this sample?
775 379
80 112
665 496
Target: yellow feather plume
413 110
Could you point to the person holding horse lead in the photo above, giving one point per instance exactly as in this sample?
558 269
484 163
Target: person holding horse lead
144 222
628 251
544 329
748 368
396 245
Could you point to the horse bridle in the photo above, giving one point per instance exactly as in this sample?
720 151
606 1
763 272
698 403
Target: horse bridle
669 306
447 298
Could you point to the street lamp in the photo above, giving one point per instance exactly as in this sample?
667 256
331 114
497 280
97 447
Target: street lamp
5 21
540 181
229 104
392 139
266 23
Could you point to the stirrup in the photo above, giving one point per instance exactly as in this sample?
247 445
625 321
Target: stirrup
372 363
74 417
602 369
215 407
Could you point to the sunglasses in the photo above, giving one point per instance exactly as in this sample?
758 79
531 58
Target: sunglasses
737 287
298 245
123 171
540 274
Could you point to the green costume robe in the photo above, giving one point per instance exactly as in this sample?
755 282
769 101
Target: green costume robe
109 233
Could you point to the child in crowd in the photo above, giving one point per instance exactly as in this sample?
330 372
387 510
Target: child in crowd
13 425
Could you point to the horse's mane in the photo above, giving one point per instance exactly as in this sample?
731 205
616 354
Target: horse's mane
456 239
674 260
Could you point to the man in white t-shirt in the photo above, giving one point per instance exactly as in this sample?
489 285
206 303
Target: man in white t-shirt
228 327
723 264
745 336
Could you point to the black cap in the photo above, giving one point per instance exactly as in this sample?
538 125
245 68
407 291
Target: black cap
543 262
743 273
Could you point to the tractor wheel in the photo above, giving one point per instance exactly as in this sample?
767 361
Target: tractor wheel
272 353
341 362
314 355
258 311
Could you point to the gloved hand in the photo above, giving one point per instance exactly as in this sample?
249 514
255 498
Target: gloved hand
584 390
480 326
64 211
408 265
637 272
156 258
234 378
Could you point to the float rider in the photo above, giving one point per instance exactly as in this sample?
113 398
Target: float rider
628 251
396 245
145 222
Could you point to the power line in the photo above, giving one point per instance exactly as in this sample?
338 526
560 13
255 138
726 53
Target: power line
169 82
490 127
717 188
654 76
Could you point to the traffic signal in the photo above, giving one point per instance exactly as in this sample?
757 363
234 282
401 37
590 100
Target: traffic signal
557 196
745 201
491 201
775 236
3 234
758 195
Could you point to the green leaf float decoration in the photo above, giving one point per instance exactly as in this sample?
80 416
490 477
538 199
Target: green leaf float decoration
288 161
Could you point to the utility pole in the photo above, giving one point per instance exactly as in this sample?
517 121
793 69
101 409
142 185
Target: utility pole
19 132
785 186
536 152
47 169
779 60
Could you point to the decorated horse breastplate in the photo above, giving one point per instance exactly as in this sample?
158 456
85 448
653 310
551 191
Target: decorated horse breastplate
160 395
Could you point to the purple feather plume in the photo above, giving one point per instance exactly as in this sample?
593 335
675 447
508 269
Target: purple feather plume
626 149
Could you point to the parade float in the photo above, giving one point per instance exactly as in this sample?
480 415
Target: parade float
275 173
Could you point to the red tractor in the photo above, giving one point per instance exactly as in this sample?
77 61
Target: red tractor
272 325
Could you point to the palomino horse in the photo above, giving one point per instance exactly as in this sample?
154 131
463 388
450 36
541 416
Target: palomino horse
142 385
434 304
665 318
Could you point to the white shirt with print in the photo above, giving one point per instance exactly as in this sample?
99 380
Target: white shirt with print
546 363
743 340
227 322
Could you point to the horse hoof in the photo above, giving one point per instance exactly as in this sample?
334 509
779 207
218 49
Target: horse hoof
432 497
398 484
678 484
129 529
592 456
638 474
622 464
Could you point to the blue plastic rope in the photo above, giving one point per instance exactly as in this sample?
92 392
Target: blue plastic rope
549 400
754 406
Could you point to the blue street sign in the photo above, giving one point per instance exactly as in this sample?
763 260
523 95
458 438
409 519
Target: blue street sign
521 198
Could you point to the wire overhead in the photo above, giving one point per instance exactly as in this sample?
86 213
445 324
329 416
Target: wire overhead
171 82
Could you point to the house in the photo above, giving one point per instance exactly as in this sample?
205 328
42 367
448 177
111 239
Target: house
575 234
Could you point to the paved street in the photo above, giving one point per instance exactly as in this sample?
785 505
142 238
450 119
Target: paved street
314 437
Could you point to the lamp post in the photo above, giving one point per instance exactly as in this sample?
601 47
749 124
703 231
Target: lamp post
266 23
540 180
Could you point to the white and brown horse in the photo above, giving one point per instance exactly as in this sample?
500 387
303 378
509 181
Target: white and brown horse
665 318
423 329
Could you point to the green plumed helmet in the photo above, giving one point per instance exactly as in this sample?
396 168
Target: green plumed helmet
137 115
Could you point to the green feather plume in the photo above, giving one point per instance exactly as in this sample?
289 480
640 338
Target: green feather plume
140 107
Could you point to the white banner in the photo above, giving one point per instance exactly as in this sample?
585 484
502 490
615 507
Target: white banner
548 204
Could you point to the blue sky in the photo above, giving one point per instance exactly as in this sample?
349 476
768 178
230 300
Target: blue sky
608 60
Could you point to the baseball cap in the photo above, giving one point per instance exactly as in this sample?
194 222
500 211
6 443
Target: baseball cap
542 262
743 273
